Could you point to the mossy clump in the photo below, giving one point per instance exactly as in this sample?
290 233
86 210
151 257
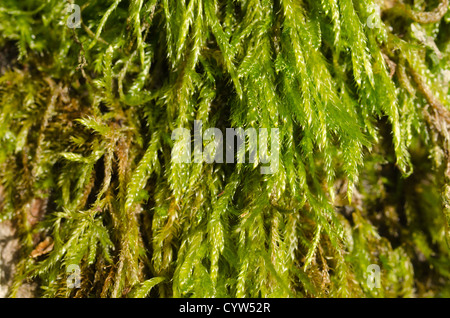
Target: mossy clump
359 91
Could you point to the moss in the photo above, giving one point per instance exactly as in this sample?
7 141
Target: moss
359 95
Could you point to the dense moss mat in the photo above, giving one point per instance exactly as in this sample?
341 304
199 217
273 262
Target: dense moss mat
358 89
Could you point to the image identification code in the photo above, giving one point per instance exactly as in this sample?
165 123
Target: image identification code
230 307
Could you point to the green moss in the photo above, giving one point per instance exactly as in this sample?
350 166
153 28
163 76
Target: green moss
86 117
